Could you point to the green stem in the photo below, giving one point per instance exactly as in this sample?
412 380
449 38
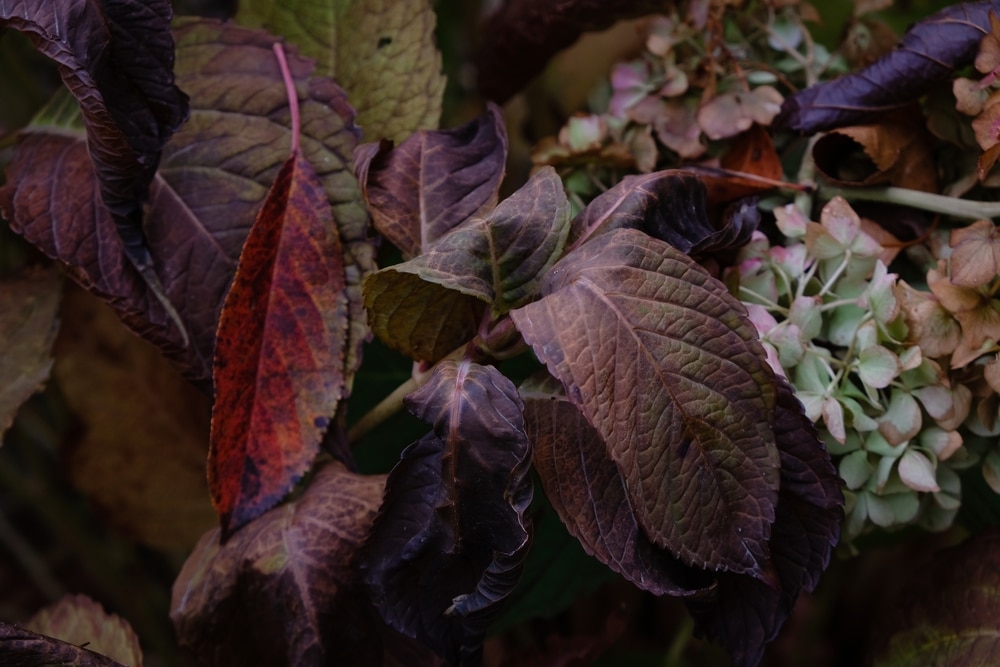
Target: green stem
386 408
675 654
958 208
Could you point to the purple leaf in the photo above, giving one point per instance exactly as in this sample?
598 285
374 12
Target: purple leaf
746 614
450 539
665 365
929 53
434 181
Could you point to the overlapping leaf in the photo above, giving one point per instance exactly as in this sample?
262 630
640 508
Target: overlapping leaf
669 205
496 261
929 53
695 445
434 181
588 492
79 620
23 648
213 178
29 305
451 536
283 591
745 614
946 614
381 51
520 38
116 57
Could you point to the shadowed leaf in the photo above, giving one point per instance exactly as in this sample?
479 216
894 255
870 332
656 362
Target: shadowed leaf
929 53
213 178
116 57
670 205
141 456
588 492
23 648
279 355
79 620
381 51
451 536
282 591
521 36
694 445
745 613
29 306
946 614
434 181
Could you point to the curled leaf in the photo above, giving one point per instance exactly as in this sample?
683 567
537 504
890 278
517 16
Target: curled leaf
695 445
451 536
929 52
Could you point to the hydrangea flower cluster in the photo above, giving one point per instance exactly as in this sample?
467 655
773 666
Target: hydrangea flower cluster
883 369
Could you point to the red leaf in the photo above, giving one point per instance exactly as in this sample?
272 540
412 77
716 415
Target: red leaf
280 351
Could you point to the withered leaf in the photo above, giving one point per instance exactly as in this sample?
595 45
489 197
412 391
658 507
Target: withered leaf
496 260
946 613
382 53
29 307
521 36
79 620
283 591
116 57
23 648
929 52
450 539
434 181
664 364
213 178
589 494
279 354
141 455
745 613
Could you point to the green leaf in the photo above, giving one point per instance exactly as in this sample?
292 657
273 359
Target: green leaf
946 614
665 365
381 51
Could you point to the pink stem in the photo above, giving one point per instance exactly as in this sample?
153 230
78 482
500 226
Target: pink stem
293 97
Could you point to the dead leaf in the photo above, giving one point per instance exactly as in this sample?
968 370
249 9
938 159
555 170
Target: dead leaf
76 619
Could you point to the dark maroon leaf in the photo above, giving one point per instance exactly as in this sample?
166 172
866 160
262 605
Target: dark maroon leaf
588 492
22 648
520 38
284 590
946 614
213 178
670 205
745 613
116 57
930 52
450 539
664 363
434 181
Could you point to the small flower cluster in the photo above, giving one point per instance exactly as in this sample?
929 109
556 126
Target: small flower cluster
886 371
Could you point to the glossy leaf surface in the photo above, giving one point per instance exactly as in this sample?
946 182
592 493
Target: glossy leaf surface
29 306
451 536
116 57
695 445
434 181
929 53
279 356
589 494
381 51
282 591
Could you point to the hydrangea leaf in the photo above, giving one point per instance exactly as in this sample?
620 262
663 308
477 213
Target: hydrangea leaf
695 445
381 51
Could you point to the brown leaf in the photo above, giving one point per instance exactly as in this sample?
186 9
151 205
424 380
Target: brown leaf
283 590
728 114
279 355
77 619
23 648
434 181
141 457
29 303
975 255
